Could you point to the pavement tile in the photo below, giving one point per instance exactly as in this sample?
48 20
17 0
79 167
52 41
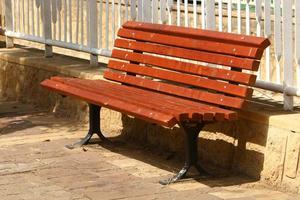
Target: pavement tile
191 185
232 194
175 196
273 195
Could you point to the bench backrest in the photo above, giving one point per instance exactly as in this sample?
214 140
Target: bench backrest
202 65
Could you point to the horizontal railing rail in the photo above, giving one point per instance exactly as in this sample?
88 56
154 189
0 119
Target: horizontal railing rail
90 26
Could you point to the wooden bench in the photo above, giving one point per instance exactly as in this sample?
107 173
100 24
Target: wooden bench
171 75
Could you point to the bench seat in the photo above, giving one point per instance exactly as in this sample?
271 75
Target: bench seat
163 109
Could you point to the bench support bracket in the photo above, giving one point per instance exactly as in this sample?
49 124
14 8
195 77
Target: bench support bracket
191 132
94 123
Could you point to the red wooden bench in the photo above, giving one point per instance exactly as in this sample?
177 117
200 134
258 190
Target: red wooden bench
171 75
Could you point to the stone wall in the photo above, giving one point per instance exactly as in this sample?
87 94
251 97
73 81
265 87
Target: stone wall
263 144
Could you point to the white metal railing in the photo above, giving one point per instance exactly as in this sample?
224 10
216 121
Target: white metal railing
2 6
90 26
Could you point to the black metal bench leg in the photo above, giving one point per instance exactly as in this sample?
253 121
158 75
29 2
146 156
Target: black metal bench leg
191 132
94 123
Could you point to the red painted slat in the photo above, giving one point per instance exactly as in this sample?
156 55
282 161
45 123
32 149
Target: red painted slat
185 67
204 96
242 63
102 100
160 102
199 33
187 79
189 43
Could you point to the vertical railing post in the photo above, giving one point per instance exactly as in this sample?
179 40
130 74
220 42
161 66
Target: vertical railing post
297 40
93 31
203 14
133 9
163 6
186 13
210 15
288 51
140 10
170 4
239 17
47 26
147 11
247 17
9 23
220 12
229 16
277 38
267 33
258 15
154 11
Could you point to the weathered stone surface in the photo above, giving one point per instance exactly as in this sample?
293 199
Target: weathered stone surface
275 156
292 155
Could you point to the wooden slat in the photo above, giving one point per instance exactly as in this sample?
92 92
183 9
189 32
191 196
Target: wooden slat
199 33
186 67
115 104
243 63
141 97
194 94
189 43
191 80
151 99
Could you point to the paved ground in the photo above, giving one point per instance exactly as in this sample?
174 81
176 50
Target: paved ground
34 164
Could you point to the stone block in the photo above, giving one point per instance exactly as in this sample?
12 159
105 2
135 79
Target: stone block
275 156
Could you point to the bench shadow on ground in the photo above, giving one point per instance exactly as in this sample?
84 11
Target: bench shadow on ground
17 117
171 162
225 152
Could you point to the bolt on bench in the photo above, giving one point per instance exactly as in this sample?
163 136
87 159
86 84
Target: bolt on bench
171 75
